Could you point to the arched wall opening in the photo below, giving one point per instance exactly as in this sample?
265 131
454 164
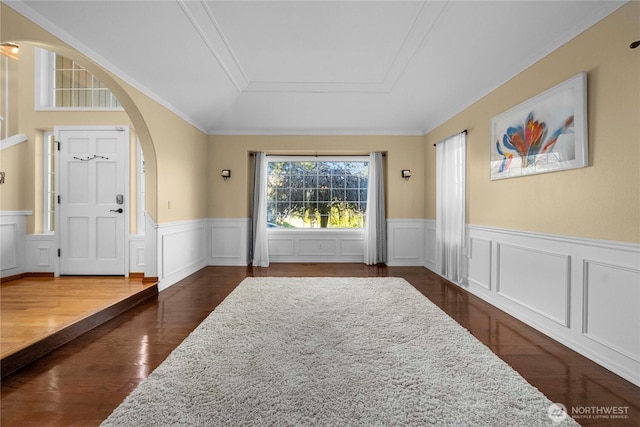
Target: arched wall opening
17 29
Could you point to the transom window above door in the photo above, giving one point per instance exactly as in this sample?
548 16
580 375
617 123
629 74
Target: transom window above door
63 84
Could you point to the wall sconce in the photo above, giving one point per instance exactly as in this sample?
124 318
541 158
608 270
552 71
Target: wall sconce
406 174
225 174
10 50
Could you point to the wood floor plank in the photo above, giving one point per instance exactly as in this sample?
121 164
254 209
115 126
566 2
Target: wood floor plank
34 308
83 381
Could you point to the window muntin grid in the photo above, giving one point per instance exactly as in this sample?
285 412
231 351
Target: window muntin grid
317 194
75 87
49 219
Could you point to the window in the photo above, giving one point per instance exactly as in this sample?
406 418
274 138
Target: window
63 84
49 174
308 193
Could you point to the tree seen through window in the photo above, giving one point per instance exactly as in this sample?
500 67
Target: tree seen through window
317 194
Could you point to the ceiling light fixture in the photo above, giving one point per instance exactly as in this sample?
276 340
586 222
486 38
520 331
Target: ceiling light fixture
10 50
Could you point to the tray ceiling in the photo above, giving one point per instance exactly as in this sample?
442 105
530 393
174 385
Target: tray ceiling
359 67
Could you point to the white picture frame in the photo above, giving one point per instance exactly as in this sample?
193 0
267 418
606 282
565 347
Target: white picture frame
546 133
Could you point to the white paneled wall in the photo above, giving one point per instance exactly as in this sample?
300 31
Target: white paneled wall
136 253
182 248
537 280
584 293
406 242
611 298
228 241
430 244
12 242
316 245
42 253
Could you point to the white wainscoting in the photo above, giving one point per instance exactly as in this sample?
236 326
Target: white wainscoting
41 253
151 252
406 242
12 242
181 250
430 244
136 253
534 279
585 293
228 241
316 245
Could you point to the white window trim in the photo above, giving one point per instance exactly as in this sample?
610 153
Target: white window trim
140 178
43 81
313 158
45 182
316 158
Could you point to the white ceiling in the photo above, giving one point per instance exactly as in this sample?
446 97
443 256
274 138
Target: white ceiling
342 67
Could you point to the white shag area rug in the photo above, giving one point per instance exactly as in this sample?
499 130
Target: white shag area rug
333 352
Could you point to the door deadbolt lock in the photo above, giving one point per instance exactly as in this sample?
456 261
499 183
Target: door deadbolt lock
119 199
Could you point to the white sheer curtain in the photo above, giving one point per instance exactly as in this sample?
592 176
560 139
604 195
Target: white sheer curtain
259 226
375 224
450 206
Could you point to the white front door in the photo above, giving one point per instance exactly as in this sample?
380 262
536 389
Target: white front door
93 199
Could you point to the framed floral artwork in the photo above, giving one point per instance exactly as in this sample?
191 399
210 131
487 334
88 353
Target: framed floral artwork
546 133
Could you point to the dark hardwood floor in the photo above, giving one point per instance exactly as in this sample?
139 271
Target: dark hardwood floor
80 383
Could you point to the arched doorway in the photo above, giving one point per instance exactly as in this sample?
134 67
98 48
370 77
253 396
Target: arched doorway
16 28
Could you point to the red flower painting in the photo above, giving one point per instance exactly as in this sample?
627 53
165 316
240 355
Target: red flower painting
528 140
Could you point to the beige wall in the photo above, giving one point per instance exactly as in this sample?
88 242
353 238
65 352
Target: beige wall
230 199
600 201
175 151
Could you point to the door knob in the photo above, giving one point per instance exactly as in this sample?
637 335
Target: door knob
119 210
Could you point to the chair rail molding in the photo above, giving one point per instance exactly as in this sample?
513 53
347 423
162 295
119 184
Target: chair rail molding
12 140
